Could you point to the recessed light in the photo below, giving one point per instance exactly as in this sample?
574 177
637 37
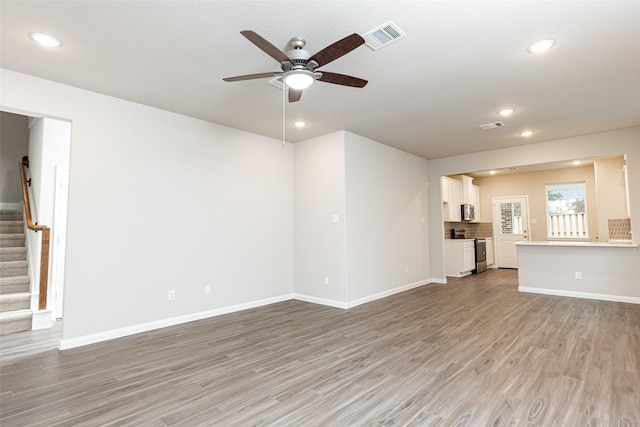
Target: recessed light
492 172
576 162
299 123
540 46
526 133
506 111
45 40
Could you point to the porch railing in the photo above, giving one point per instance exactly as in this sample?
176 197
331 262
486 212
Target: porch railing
46 233
567 226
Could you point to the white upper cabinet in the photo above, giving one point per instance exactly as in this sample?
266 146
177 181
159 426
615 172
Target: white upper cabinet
467 185
470 194
451 199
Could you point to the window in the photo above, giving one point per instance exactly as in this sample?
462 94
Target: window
566 211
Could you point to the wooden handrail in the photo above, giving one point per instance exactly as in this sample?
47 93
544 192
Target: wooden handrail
46 233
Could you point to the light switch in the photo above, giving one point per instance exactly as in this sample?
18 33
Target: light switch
335 219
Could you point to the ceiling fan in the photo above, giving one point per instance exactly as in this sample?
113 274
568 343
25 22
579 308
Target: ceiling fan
299 67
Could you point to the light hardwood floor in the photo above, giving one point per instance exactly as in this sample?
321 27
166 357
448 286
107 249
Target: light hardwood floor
473 352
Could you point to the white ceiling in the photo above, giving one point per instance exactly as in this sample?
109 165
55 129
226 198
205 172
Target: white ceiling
460 63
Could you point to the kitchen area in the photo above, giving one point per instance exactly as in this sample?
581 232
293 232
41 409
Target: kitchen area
468 244
493 217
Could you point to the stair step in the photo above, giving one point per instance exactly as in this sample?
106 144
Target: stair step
11 227
13 302
11 240
11 215
13 268
15 284
15 321
13 254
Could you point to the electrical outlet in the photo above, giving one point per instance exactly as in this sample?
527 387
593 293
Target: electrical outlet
207 289
578 275
326 280
406 269
172 295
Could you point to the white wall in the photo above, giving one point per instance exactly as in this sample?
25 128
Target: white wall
380 245
607 273
158 202
320 244
594 145
387 234
611 193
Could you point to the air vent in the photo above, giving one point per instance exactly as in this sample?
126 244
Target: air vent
493 125
383 35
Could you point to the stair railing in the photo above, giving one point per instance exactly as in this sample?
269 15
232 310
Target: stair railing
46 233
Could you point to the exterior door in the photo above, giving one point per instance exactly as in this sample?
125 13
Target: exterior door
511 224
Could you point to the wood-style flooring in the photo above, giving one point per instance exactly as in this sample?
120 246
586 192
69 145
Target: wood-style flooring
473 352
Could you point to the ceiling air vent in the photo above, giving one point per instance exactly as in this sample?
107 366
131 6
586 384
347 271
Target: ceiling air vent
493 125
383 35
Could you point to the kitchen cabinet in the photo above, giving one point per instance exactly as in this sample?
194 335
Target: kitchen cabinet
490 252
467 184
460 257
451 199
469 193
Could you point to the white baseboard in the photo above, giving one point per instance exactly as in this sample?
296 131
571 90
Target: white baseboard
172 321
163 323
41 319
321 301
585 295
366 299
439 281
387 293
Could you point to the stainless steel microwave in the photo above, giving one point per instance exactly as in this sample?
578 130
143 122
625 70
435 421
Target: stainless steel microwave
468 212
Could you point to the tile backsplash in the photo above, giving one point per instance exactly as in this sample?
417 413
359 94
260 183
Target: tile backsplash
620 229
473 229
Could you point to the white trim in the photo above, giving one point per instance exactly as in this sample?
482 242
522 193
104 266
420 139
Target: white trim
386 293
585 295
41 319
438 281
321 301
163 323
66 344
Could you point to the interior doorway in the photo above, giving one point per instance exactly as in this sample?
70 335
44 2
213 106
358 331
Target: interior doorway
47 145
511 219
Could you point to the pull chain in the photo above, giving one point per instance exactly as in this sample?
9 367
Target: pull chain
284 91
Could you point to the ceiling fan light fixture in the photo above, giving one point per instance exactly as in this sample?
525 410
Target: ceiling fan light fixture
299 79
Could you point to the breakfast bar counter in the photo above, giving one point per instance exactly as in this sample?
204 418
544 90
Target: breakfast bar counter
607 271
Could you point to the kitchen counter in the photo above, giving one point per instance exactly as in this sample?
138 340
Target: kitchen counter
577 244
594 270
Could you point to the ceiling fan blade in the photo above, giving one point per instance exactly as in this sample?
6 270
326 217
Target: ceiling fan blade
342 79
265 46
295 95
337 49
252 76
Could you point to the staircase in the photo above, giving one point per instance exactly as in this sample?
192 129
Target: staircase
15 299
